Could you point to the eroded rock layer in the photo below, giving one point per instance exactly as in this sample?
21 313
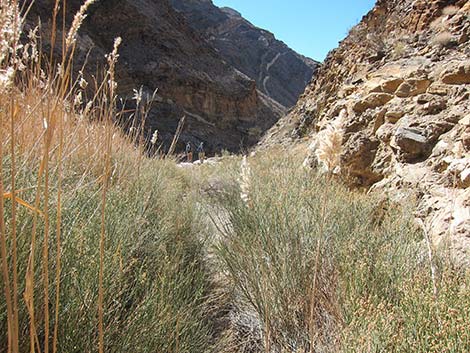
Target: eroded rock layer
279 72
223 107
399 85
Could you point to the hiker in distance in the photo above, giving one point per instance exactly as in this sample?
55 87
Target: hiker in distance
189 152
200 152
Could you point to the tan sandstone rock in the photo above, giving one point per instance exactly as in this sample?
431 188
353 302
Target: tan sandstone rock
393 116
412 87
412 143
438 89
372 100
457 74
390 86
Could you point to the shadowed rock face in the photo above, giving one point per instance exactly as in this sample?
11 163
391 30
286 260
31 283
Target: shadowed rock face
223 107
402 82
279 72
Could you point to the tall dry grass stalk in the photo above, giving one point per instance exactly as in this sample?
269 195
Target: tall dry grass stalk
10 29
71 37
13 231
313 297
58 236
109 112
176 137
36 125
3 253
430 252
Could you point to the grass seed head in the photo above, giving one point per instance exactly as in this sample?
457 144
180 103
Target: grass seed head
76 24
154 139
330 141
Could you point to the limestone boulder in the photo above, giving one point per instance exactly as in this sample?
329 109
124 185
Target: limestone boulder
429 105
390 86
412 143
434 107
457 73
356 159
393 116
438 89
372 100
412 87
465 121
385 132
466 141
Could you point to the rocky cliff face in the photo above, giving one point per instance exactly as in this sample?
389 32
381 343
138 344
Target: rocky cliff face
223 107
397 90
279 72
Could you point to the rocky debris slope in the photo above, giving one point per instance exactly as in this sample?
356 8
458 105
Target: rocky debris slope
402 82
223 107
279 72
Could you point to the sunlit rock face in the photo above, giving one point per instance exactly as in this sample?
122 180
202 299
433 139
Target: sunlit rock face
279 72
223 107
402 80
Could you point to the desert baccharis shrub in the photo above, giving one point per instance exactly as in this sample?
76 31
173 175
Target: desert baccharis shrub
155 282
321 266
103 249
156 286
100 246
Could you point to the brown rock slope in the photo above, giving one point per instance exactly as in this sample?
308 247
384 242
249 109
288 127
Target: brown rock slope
400 83
223 107
279 72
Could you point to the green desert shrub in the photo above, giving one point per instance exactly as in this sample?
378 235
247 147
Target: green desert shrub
155 283
328 269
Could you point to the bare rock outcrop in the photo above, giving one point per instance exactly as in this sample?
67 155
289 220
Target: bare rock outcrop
223 107
402 79
279 72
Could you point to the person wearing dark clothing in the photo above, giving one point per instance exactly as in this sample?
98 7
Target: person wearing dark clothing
200 152
189 152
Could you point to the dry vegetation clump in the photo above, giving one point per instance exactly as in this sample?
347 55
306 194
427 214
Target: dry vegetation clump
450 10
330 141
99 245
399 49
103 249
444 39
313 269
327 146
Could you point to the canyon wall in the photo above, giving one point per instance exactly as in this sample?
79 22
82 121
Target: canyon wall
279 72
223 107
397 88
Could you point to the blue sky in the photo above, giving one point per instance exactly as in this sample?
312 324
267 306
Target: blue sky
311 27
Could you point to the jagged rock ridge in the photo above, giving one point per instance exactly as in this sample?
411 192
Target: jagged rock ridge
279 72
223 107
402 80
